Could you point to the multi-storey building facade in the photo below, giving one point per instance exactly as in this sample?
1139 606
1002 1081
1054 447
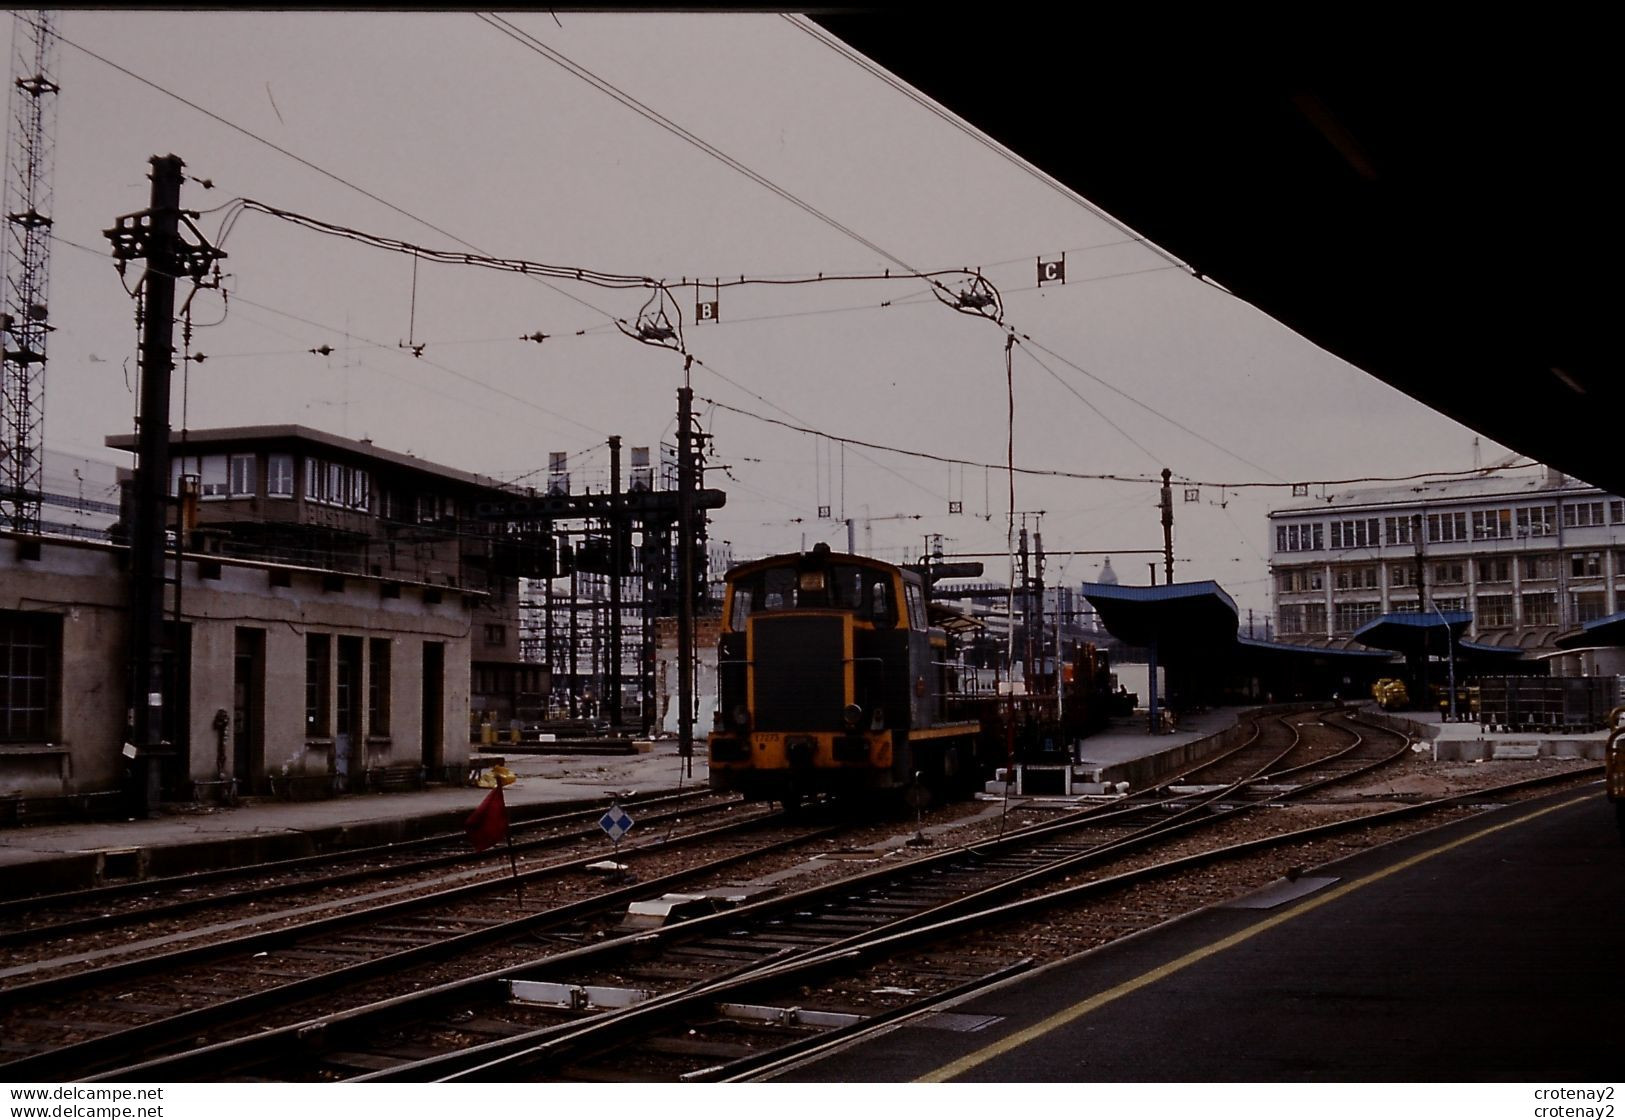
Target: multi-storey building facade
1530 557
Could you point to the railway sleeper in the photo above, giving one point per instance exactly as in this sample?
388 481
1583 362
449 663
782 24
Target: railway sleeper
484 1025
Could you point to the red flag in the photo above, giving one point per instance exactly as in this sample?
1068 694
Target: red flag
488 823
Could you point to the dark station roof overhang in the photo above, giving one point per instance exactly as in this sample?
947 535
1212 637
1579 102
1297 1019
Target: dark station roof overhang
1261 652
1176 619
1430 201
1606 631
1419 633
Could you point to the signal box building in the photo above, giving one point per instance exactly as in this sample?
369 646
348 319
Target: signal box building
293 495
338 611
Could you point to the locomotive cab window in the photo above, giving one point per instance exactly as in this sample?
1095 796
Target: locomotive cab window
879 607
843 587
916 606
739 609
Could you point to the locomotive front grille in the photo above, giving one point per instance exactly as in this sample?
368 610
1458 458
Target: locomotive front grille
798 672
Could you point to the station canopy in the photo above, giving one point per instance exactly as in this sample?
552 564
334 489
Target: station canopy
1176 618
1418 633
1606 631
1258 651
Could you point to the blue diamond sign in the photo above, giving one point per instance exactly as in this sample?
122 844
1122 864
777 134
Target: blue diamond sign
615 823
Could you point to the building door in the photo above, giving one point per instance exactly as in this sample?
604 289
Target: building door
175 756
248 712
434 685
347 703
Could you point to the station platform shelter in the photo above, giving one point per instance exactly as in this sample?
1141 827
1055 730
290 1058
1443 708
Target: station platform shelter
1192 631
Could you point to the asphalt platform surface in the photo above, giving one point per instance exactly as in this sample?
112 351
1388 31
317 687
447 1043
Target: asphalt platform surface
1488 950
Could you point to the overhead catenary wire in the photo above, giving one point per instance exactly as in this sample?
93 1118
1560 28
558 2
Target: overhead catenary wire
386 203
1475 472
964 300
801 23
302 161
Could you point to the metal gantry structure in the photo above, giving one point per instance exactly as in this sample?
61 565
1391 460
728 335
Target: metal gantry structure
25 318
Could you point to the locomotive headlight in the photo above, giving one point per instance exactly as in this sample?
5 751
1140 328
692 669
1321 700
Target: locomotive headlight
853 715
741 715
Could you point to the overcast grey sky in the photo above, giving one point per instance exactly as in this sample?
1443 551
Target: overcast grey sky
441 130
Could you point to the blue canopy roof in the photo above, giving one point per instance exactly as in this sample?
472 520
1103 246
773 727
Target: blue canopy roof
1606 631
1174 617
1261 647
1424 632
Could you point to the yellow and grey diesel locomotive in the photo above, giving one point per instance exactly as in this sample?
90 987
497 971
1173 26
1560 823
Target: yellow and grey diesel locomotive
833 680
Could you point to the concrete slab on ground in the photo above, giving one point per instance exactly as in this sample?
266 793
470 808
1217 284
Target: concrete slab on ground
1467 741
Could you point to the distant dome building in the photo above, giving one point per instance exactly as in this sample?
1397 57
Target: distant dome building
1106 573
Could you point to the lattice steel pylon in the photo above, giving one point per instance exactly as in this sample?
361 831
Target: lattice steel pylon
24 303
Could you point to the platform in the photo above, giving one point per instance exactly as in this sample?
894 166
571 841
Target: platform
1486 950
1127 752
36 858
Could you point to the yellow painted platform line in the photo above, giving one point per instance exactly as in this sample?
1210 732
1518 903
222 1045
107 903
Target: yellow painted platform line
1094 1003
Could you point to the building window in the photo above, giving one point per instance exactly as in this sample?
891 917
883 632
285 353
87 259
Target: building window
1447 526
378 686
30 645
1543 566
1404 606
1396 530
242 478
1449 573
360 493
213 471
318 669
1354 579
315 480
1402 575
495 634
1299 537
279 476
1589 605
1581 514
1494 610
1616 512
1585 565
1450 604
1314 618
1537 521
1355 534
1540 609
1495 571
1351 616
1492 524
1291 619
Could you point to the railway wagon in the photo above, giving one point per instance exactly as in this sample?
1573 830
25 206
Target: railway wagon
833 680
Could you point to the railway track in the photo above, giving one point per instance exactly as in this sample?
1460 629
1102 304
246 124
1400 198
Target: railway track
756 1021
107 1009
73 914
456 1027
